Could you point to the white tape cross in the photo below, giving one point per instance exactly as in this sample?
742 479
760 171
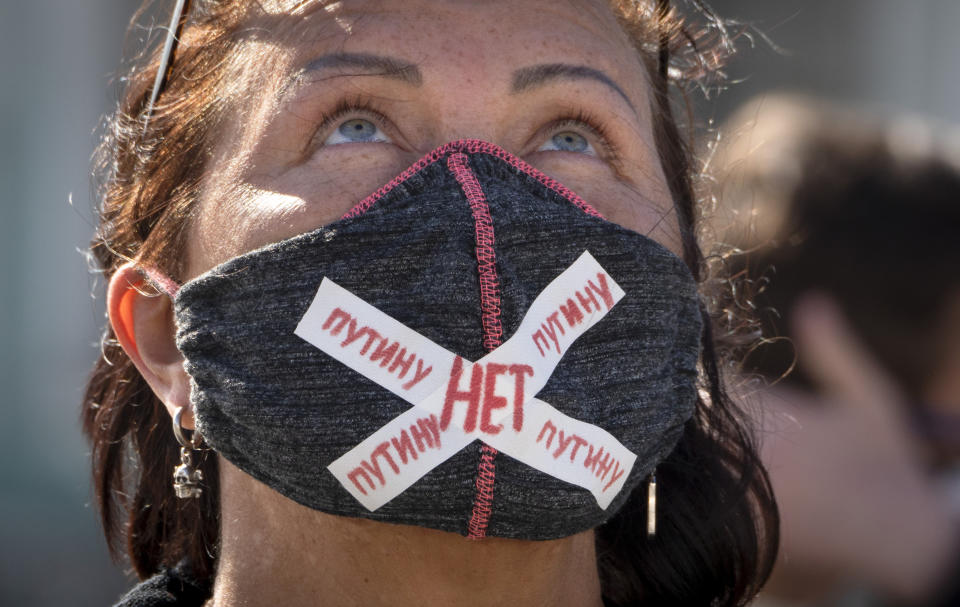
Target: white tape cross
456 402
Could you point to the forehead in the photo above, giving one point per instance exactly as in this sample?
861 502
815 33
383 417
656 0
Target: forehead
487 35
595 15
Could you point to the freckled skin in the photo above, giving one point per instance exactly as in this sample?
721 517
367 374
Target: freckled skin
465 94
273 178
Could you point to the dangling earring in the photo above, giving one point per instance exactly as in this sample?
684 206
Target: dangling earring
652 505
186 479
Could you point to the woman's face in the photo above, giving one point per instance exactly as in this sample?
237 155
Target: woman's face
343 96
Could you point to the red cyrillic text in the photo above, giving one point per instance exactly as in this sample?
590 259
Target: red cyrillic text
386 352
425 434
546 337
599 462
481 397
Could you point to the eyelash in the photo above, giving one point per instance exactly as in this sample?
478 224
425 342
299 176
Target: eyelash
577 118
583 119
346 107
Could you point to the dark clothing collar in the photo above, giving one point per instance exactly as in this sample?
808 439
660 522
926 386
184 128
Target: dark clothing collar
170 588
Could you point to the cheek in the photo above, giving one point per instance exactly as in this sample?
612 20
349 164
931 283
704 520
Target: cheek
334 179
641 203
624 205
236 220
261 208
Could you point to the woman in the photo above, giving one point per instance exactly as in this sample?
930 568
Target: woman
236 197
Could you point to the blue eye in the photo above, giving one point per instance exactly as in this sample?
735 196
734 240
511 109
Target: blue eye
356 130
568 141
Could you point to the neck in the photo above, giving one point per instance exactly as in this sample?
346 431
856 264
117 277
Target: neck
274 551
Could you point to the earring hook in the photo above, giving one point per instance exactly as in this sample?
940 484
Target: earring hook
195 439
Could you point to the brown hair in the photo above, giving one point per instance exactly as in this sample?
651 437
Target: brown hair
717 538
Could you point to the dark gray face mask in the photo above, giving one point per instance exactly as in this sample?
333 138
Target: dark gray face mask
471 348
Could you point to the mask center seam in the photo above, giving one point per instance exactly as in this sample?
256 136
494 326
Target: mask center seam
457 163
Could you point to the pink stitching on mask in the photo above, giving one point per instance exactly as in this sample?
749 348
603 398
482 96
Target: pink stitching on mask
483 500
472 146
492 329
486 257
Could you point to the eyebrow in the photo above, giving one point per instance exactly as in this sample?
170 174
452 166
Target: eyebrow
373 65
538 75
524 79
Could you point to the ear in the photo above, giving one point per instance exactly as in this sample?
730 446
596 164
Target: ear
142 321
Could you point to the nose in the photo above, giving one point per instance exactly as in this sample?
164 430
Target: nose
473 126
472 106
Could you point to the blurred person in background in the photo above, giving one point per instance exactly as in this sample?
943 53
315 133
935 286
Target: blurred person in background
845 236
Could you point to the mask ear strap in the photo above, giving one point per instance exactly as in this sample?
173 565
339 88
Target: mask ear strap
160 281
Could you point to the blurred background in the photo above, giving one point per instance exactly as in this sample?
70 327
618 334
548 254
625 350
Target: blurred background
57 64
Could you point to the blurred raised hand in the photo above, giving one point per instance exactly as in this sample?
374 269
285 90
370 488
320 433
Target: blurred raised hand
855 499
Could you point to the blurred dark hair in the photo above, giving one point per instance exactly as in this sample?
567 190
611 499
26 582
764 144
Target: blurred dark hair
718 525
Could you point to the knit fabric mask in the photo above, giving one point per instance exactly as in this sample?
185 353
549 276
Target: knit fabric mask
472 348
